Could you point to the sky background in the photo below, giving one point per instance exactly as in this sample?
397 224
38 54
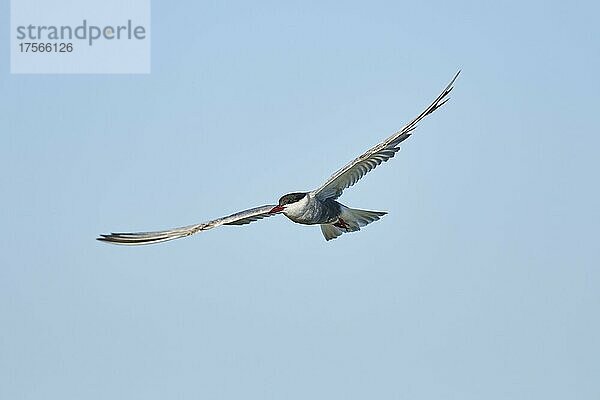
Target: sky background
482 282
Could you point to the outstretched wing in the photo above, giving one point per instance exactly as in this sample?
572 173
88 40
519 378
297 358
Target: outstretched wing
357 168
139 238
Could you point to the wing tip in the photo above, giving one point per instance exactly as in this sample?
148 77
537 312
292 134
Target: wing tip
133 239
454 78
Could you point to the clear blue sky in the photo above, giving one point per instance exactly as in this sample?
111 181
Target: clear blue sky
481 283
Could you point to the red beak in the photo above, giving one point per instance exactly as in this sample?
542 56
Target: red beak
276 209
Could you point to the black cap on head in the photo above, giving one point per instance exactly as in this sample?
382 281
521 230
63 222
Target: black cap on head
291 198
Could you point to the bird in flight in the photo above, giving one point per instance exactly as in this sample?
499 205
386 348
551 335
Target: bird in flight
317 207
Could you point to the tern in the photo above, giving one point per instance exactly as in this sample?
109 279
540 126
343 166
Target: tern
317 207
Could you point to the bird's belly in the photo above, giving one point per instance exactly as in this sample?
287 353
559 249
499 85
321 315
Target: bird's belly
306 217
313 215
306 220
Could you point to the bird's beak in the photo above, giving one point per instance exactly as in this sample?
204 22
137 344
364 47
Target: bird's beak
276 210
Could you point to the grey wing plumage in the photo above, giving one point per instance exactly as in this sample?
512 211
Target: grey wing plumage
360 166
139 238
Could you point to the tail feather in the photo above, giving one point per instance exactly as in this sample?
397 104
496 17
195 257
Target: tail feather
351 220
330 231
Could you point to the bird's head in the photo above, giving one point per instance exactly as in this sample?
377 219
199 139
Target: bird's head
286 200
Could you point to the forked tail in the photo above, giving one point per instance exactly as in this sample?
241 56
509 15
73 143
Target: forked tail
350 220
